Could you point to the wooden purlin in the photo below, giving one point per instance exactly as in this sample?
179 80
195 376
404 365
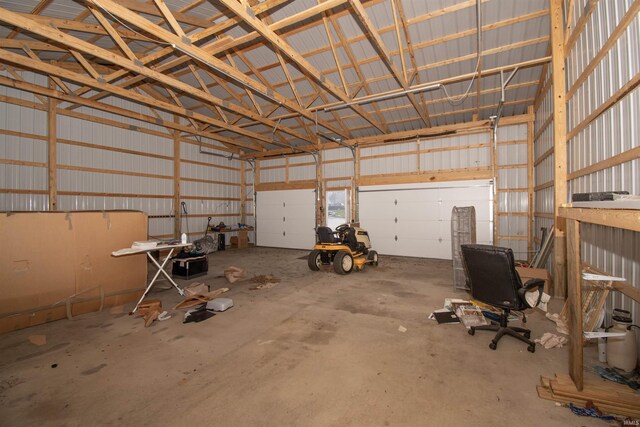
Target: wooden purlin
386 56
106 55
354 64
220 47
298 59
204 56
53 70
428 66
40 7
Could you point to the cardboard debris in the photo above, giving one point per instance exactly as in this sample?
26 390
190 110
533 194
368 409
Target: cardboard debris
233 274
196 288
38 339
150 310
264 281
195 300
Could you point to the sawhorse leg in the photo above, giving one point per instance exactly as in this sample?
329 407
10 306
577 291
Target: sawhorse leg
160 270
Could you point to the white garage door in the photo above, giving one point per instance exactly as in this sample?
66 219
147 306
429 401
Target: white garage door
285 219
415 219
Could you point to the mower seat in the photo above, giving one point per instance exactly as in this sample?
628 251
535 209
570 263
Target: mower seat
350 239
326 235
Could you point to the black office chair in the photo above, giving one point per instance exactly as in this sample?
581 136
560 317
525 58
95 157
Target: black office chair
326 235
493 280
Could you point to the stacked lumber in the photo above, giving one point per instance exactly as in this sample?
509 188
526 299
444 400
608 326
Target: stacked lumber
609 397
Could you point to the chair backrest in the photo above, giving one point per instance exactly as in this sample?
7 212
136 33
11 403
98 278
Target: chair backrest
326 235
492 275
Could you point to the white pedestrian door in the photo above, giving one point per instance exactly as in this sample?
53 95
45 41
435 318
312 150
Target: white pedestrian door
285 219
415 219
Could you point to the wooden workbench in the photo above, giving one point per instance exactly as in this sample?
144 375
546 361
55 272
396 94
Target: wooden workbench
627 219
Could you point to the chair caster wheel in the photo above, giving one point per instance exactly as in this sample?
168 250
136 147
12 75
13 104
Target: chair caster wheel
472 331
527 335
532 348
493 345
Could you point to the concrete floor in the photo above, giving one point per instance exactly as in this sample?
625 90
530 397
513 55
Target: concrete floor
317 349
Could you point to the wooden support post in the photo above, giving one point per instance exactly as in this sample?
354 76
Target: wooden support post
243 193
496 204
530 179
560 143
574 302
52 160
355 197
320 195
177 222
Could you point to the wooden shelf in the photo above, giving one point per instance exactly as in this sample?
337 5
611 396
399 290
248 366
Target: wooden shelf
627 219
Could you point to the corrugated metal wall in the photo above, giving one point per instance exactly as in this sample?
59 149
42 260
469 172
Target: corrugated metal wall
23 149
512 183
106 161
605 58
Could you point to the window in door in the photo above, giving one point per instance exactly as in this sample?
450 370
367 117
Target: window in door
337 208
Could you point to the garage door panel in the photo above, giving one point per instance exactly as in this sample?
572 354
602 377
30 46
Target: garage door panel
423 214
296 207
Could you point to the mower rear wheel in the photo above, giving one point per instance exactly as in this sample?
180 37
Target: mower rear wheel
314 260
343 262
373 258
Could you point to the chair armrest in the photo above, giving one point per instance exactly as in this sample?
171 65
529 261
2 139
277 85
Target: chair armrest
530 285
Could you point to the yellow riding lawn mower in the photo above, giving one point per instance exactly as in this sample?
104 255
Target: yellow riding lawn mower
347 248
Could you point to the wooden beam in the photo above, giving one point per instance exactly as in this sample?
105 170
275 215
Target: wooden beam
52 152
580 24
40 7
378 43
85 64
574 303
150 9
134 66
627 219
613 100
168 16
113 34
78 78
206 58
618 159
530 182
560 142
177 213
628 18
297 58
345 86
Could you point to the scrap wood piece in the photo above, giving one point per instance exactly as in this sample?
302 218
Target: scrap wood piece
605 396
198 299
149 310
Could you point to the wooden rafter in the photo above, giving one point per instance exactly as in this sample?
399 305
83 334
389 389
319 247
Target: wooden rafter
113 34
169 17
50 93
298 59
40 7
37 65
386 56
203 56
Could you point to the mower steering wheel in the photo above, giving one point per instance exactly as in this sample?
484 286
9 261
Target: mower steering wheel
342 227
